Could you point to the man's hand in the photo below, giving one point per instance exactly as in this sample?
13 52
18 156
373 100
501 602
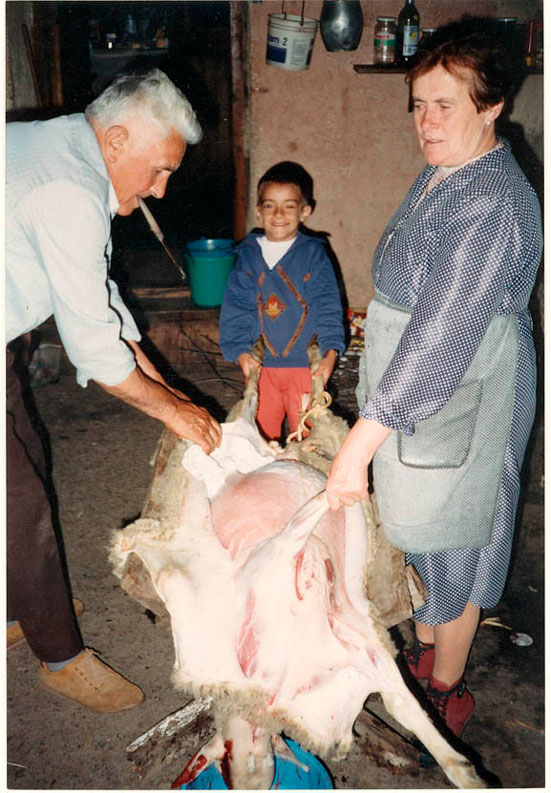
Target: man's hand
326 366
146 390
194 423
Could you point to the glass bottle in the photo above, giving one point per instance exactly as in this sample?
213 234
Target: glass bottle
407 34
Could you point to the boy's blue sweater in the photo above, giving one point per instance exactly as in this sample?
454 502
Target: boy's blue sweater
286 305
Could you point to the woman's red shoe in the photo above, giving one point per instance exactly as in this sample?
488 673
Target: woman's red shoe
419 659
454 704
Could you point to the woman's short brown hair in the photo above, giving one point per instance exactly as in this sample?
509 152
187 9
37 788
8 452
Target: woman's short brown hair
475 45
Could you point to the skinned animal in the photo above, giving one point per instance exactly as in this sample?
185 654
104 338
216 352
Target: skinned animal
265 588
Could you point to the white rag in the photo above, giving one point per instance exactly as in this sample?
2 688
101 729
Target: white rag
241 449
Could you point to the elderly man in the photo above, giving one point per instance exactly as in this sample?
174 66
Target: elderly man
66 178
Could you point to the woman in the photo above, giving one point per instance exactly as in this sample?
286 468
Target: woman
447 386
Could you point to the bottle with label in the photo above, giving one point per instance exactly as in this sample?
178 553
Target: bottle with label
407 34
384 40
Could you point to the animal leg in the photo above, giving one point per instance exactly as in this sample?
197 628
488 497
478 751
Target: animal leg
282 751
249 754
211 752
403 706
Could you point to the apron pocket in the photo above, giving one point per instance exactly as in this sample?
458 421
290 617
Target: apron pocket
444 440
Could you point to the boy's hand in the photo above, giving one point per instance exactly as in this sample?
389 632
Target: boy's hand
247 362
327 364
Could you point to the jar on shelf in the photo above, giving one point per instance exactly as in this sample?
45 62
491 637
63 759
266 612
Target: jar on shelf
384 40
507 27
538 44
426 36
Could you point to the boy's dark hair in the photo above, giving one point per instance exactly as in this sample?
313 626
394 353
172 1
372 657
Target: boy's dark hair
287 172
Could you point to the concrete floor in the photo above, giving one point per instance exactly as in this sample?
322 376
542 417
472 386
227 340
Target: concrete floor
101 451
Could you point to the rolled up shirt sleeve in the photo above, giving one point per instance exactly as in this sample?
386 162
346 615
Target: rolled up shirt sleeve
71 232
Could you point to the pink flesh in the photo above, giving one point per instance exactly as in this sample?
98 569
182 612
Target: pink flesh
252 510
248 642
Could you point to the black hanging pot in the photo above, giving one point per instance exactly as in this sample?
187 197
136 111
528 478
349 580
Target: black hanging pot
341 24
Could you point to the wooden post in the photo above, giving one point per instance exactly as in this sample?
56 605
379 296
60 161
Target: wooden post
238 33
32 64
55 69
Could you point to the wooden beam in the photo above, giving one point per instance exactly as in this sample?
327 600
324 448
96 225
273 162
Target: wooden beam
32 64
238 56
180 733
385 746
55 69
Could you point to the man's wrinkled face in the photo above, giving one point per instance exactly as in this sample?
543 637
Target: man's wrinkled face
140 160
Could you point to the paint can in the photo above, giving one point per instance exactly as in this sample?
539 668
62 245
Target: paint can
290 41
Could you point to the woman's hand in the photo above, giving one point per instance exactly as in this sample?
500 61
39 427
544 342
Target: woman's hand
347 481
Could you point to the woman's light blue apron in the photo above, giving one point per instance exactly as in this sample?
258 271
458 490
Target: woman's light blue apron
437 489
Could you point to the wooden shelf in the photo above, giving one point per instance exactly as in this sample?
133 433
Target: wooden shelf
375 68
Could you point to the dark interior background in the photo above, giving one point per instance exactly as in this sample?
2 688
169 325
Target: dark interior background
199 199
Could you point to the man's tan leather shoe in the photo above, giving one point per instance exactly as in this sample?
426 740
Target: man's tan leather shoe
14 634
93 684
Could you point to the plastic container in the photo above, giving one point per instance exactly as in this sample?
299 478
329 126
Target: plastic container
287 775
290 41
208 265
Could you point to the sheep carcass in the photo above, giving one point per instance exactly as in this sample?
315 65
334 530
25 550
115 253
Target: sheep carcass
265 590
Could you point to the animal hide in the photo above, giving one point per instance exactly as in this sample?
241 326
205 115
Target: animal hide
265 588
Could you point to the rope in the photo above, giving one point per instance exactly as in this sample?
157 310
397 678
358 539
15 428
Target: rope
321 404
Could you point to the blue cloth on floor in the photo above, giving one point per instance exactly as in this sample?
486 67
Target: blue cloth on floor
287 776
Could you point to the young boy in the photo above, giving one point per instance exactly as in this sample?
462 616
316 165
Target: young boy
282 288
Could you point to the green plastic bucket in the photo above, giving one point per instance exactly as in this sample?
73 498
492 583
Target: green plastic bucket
208 265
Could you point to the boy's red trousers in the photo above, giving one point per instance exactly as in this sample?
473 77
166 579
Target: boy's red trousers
279 392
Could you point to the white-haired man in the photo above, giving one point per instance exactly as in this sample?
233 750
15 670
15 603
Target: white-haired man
66 178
